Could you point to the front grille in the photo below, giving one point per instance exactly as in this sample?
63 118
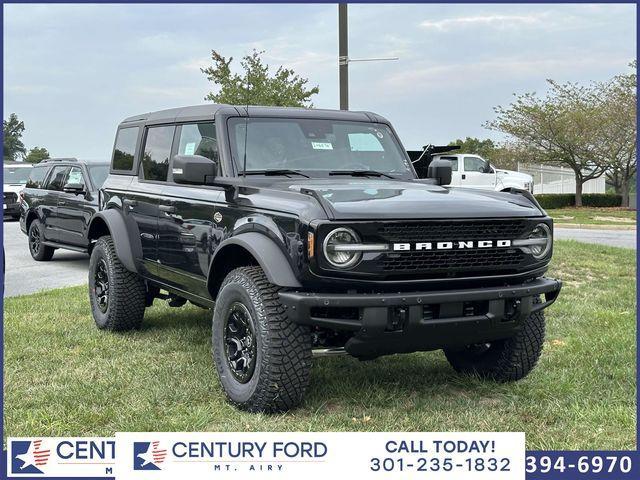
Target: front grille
451 261
451 231
456 262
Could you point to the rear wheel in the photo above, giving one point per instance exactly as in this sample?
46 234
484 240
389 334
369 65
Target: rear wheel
39 251
263 359
504 360
117 296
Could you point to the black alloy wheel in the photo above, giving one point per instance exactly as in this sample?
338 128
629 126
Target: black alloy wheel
240 342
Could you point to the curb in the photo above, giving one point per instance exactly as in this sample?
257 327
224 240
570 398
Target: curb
591 226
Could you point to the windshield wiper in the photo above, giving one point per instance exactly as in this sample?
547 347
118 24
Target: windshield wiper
361 173
275 171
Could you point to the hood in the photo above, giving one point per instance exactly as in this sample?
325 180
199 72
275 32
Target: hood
524 177
366 199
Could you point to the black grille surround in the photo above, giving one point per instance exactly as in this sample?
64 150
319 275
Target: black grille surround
445 264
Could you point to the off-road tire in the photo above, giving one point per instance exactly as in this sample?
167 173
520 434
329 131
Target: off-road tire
41 253
506 360
283 348
126 292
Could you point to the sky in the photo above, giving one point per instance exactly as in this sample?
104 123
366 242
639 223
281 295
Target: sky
73 72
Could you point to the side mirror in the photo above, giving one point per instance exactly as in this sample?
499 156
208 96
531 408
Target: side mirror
75 188
487 168
194 169
440 170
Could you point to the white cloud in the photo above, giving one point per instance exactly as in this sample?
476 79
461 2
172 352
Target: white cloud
493 21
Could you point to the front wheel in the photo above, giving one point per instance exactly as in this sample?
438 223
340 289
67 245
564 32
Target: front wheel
263 359
506 360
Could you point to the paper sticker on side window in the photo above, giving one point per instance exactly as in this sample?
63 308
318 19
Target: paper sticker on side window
322 146
190 148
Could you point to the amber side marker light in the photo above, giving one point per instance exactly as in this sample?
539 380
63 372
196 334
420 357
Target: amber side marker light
311 244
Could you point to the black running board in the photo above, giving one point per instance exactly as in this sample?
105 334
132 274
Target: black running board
66 247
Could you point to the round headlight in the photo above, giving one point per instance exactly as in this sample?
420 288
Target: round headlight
336 248
542 233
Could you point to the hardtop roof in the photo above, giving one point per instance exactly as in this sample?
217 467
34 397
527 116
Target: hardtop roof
208 111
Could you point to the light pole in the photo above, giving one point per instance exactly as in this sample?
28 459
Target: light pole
343 56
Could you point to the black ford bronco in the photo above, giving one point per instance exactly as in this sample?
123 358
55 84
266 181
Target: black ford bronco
309 232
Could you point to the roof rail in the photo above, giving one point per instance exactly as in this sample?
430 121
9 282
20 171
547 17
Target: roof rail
69 159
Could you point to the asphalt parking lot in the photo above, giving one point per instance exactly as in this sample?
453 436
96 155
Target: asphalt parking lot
613 238
24 275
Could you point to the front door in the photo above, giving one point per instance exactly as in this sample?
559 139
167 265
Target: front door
475 175
187 230
75 210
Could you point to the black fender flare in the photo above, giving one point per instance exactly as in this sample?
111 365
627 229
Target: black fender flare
269 256
119 234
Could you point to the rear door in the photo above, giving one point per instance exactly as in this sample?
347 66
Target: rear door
48 210
75 210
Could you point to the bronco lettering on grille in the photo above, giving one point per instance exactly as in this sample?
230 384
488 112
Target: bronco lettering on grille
457 245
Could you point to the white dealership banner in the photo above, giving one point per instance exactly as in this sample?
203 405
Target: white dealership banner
295 455
61 457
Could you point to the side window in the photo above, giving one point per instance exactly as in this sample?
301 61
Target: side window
453 161
474 164
125 148
36 177
56 179
75 176
199 139
157 150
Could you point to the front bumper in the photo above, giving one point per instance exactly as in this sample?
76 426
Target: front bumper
11 209
385 323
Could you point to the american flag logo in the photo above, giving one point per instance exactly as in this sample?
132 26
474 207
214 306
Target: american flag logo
148 455
29 456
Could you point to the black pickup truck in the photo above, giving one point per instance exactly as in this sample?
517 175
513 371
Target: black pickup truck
308 231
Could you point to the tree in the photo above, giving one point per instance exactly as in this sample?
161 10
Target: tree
618 116
13 148
485 148
561 128
36 155
256 86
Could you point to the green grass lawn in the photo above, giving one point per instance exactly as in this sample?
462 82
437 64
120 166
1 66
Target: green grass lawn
594 216
64 377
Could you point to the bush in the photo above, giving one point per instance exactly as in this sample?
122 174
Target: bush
564 200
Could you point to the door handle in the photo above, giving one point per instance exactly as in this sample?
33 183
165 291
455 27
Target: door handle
464 176
167 208
130 203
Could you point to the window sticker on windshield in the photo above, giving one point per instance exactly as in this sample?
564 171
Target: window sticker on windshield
190 148
322 146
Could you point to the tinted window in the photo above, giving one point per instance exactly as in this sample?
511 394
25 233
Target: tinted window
125 148
474 164
98 174
56 179
75 176
157 150
453 161
199 139
36 177
16 175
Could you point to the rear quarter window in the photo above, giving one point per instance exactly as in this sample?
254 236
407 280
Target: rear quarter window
124 150
36 177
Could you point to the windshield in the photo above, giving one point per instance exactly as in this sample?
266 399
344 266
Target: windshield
98 174
16 174
315 145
